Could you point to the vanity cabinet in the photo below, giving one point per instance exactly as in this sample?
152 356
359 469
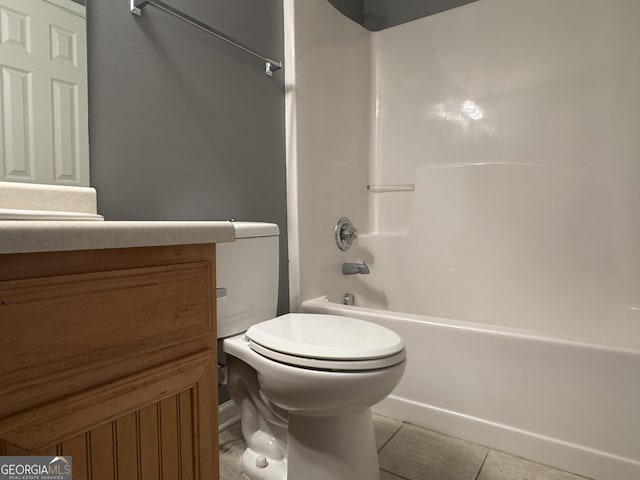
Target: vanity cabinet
109 356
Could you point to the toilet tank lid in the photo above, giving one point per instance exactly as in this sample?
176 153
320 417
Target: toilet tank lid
255 229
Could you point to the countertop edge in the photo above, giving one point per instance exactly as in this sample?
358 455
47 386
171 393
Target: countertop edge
26 236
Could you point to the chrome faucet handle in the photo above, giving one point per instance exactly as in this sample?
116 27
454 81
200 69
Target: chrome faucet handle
345 234
349 233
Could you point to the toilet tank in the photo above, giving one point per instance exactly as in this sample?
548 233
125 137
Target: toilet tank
248 269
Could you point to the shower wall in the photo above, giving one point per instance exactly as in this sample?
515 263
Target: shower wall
514 123
327 101
542 83
499 142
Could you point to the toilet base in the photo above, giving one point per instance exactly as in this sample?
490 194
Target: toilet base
332 448
321 448
272 470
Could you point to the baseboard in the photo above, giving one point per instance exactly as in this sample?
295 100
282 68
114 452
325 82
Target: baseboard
228 414
546 450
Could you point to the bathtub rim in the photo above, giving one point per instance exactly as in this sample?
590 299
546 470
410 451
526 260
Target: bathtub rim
485 328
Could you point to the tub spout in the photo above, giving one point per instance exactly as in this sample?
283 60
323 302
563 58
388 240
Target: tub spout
353 268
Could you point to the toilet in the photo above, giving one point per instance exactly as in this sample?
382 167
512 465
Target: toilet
304 383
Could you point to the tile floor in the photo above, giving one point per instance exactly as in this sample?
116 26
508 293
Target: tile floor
407 452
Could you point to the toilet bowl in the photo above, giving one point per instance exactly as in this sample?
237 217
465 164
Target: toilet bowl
305 384
317 377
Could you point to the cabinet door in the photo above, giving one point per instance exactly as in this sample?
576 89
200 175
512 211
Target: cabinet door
122 431
71 321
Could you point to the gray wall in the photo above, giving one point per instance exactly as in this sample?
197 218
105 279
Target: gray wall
182 126
380 14
354 9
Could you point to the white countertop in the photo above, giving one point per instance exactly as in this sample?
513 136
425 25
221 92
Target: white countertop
25 236
37 196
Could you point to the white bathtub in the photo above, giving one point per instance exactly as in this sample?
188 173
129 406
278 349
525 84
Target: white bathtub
572 405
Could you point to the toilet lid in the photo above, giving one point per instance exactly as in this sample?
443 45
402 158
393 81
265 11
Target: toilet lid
330 365
326 337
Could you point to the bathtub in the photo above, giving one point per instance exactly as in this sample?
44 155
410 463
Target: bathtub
570 404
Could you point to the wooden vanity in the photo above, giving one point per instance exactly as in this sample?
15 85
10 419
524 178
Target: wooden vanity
109 355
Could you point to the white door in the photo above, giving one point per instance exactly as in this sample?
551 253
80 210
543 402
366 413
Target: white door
43 92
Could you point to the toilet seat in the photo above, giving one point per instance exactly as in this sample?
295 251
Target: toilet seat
326 342
329 365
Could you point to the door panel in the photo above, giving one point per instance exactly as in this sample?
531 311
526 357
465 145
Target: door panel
43 92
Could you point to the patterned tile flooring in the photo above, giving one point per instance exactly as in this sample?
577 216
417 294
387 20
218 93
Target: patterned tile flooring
407 452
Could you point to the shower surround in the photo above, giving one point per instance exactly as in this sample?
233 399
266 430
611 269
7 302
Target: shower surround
499 144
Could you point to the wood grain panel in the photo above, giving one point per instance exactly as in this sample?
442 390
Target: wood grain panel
7 448
138 406
154 306
186 431
175 437
101 453
169 449
41 426
31 392
88 346
76 448
49 451
46 264
127 437
149 460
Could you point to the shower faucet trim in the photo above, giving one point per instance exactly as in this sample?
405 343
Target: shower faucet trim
345 233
